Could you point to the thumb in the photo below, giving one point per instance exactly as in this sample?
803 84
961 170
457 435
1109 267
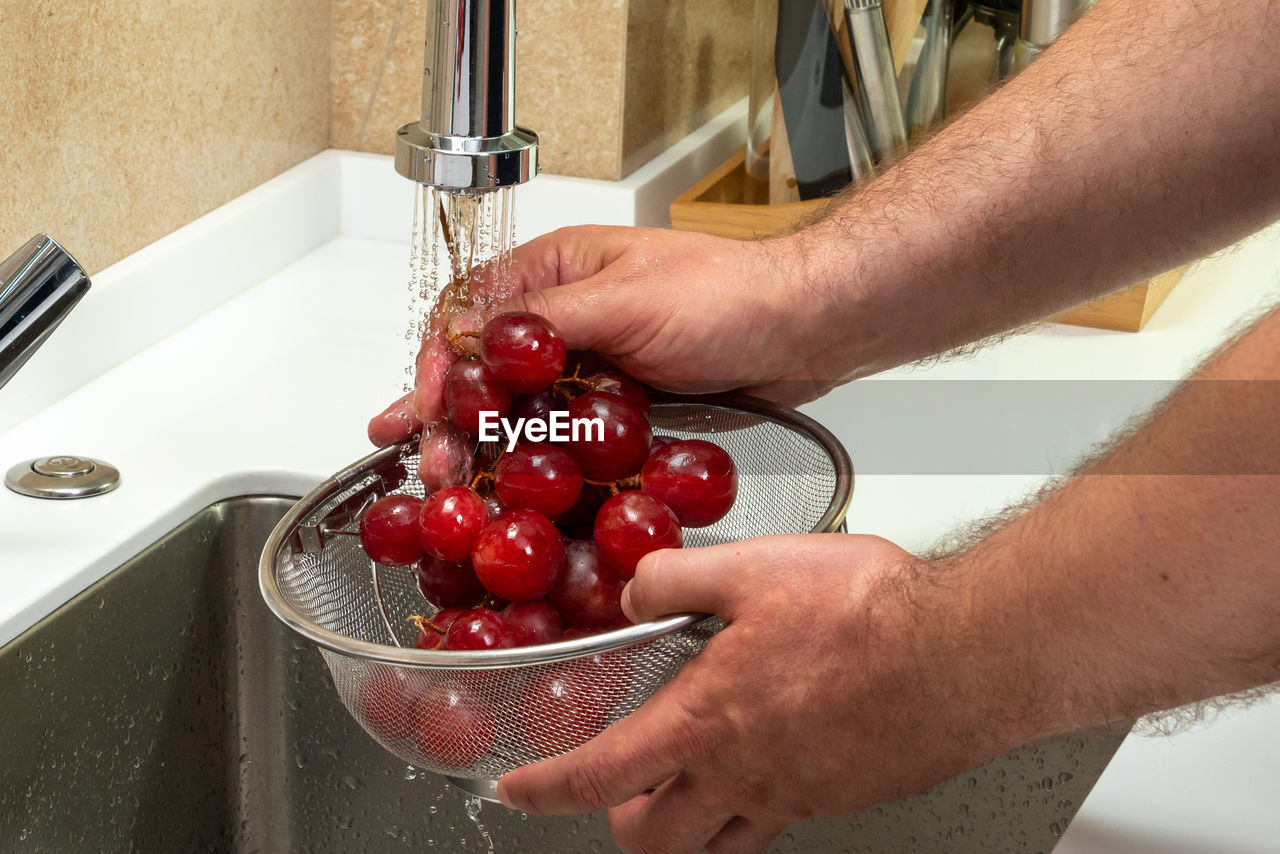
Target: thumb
676 581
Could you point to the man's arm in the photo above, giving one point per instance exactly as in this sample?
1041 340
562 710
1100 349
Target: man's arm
1164 557
1144 139
851 673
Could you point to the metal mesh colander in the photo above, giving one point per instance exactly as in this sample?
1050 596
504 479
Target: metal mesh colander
474 716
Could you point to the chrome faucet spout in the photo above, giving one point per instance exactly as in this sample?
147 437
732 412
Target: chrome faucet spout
467 138
39 284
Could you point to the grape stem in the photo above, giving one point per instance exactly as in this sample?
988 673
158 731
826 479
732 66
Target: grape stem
424 624
616 486
567 387
455 341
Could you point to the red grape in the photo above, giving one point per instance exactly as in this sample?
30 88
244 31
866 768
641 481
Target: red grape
587 594
440 623
584 362
427 639
448 584
610 672
470 390
579 521
445 616
451 520
625 444
615 382
620 622
632 524
534 622
559 710
696 479
494 505
518 555
431 631
389 530
448 456
479 628
453 726
522 351
383 704
538 476
537 407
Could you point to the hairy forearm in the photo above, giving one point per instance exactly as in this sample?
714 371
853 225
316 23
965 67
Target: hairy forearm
1150 580
1144 139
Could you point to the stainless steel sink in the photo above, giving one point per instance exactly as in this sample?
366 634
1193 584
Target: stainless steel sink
166 710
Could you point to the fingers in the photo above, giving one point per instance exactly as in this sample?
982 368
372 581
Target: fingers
743 836
679 816
564 256
395 423
637 753
640 824
446 456
569 276
624 811
589 315
569 255
434 359
673 581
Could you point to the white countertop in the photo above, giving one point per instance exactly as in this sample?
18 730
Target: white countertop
245 353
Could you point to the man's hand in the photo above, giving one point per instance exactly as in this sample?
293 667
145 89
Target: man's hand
838 683
683 312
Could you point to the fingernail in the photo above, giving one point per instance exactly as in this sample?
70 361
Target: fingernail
625 602
504 797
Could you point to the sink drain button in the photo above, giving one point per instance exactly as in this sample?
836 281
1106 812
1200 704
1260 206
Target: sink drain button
64 476
62 466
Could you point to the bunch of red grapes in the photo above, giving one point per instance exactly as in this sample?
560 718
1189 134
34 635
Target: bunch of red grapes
538 546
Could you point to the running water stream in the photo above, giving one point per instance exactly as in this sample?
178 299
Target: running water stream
473 806
459 260
460 257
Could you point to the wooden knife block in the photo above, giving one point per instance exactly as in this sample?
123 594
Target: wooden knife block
730 203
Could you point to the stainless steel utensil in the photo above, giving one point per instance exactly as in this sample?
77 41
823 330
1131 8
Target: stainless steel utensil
807 63
794 477
927 99
1042 22
876 83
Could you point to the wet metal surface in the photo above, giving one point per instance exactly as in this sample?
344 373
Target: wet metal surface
165 709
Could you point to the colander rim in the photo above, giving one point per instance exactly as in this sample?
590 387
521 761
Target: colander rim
831 521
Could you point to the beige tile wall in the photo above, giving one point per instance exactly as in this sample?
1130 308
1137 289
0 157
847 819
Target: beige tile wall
686 61
121 120
568 81
605 83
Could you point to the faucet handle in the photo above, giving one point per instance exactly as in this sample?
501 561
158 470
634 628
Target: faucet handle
39 284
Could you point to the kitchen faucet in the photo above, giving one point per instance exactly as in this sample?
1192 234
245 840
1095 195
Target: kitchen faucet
39 285
467 139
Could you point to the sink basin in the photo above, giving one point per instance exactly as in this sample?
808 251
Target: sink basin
166 709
